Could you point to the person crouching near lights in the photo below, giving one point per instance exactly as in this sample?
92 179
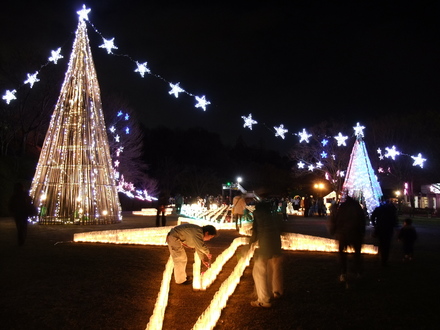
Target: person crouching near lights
267 271
190 236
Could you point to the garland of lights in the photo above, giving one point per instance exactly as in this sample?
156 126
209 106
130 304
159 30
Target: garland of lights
109 45
143 69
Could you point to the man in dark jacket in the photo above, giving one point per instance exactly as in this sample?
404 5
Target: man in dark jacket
384 220
348 227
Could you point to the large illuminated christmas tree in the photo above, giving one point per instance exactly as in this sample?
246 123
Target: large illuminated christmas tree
360 181
74 180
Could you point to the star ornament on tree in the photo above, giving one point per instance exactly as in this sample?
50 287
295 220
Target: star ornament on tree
9 96
141 68
109 45
303 136
419 160
83 13
202 102
248 121
341 139
280 131
359 130
175 89
32 79
301 164
55 55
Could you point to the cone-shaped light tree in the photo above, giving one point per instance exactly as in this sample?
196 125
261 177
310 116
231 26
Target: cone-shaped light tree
360 181
74 180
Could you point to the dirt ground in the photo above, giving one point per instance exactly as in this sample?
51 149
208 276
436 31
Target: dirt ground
53 283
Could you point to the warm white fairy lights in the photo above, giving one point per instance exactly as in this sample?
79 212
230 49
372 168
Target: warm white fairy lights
75 170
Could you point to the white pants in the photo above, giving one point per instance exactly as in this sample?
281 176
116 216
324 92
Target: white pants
177 252
268 277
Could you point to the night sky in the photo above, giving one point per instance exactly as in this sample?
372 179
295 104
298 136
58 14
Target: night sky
287 62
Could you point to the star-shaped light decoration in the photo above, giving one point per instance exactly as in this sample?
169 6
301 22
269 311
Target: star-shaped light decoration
127 117
9 96
248 121
117 163
301 164
83 13
112 129
319 164
324 142
117 138
359 131
175 89
303 136
32 79
323 154
341 139
127 130
202 102
109 45
141 68
55 55
280 131
311 168
419 160
391 152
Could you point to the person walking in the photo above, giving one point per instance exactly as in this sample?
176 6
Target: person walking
407 235
347 224
21 207
384 220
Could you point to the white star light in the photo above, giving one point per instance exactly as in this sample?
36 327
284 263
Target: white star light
392 152
304 136
32 79
83 13
311 168
55 55
341 139
418 160
202 102
117 138
359 130
9 96
175 89
319 164
280 131
112 129
141 68
109 45
248 121
301 164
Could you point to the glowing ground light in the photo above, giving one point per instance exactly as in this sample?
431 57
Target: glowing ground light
209 318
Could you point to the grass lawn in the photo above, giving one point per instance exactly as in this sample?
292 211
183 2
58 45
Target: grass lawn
52 283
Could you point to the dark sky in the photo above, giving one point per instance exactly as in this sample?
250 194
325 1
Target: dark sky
287 62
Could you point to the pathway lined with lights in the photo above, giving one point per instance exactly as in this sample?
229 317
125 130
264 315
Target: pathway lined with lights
157 236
